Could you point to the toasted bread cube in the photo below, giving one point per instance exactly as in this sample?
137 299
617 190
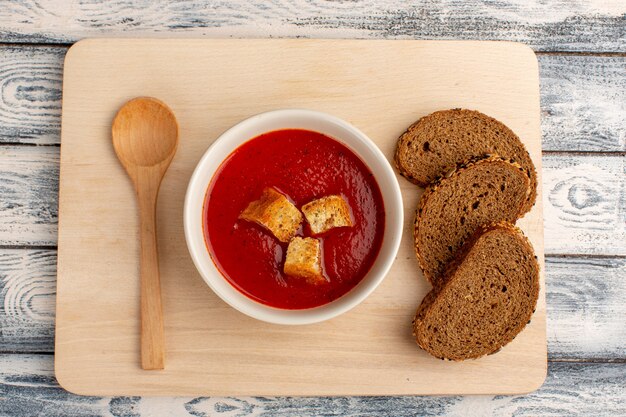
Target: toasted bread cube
304 259
327 213
274 212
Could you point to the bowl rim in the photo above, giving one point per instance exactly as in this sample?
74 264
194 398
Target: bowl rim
392 234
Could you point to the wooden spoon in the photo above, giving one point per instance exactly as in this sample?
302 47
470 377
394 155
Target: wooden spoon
145 137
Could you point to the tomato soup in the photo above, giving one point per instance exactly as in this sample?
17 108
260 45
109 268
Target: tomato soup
303 165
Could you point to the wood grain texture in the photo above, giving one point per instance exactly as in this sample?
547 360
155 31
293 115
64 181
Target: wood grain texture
96 341
585 204
583 103
582 99
572 389
558 25
27 300
30 99
584 298
586 311
145 138
29 183
562 104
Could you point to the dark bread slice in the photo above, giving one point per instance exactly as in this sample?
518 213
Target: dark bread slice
488 297
479 192
438 142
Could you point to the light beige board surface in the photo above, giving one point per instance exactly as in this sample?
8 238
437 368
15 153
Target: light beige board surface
379 86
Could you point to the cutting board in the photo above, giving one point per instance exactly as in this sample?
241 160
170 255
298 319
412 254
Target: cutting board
379 86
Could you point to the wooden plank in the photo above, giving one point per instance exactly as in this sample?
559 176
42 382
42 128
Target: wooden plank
585 307
583 99
30 103
583 103
560 25
28 387
29 183
585 204
27 300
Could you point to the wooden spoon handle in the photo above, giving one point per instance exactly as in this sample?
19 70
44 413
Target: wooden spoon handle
152 334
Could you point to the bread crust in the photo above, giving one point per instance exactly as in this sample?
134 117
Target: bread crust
428 301
432 188
411 171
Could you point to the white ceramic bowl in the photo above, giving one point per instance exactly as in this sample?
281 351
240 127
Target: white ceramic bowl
292 119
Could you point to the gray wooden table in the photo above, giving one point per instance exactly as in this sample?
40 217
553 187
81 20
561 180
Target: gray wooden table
581 47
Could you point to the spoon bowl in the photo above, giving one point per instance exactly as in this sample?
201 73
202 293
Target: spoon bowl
145 133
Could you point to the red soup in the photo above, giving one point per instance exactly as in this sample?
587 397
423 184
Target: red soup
305 166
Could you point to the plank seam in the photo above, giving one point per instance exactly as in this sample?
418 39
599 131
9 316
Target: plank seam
545 152
546 255
67 45
38 44
616 361
583 256
585 153
29 247
582 53
53 145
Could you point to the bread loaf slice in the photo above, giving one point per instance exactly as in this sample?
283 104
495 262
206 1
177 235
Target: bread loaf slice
438 142
479 192
488 297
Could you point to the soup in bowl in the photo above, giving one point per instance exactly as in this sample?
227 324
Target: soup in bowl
293 216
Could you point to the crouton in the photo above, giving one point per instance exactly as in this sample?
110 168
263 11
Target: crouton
304 259
327 213
274 212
